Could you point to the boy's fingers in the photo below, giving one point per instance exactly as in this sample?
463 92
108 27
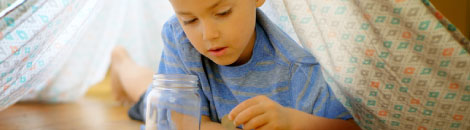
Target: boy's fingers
256 122
242 106
248 114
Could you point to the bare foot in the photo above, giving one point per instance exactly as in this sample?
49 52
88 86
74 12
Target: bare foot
128 80
118 90
118 56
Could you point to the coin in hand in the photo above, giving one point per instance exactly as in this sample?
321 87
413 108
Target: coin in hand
227 123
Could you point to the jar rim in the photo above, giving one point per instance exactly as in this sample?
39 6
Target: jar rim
184 77
176 81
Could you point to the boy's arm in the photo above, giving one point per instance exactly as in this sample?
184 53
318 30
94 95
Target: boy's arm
305 121
260 112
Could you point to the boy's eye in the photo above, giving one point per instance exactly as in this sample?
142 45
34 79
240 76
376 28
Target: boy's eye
225 13
189 21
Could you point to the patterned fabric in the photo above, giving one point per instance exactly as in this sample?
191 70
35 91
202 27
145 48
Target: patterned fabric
35 40
395 64
89 57
278 68
5 4
134 24
85 57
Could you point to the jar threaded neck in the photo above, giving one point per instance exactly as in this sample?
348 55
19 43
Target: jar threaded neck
175 81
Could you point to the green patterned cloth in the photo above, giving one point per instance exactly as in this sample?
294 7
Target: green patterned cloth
395 64
36 39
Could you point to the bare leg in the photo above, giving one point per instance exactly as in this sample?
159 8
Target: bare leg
128 80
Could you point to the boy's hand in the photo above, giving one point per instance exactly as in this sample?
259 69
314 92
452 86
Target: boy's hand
262 113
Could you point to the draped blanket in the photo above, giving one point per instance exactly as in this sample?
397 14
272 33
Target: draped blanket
36 38
395 64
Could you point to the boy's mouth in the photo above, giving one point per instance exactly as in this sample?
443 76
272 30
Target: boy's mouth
219 51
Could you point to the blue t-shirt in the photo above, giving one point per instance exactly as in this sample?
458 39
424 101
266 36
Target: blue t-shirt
279 69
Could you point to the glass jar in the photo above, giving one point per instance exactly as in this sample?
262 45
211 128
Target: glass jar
173 103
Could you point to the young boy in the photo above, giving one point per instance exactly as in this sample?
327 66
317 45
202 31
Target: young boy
247 68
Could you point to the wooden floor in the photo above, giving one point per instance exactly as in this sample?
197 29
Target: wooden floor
96 111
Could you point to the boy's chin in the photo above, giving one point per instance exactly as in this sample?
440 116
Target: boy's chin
224 62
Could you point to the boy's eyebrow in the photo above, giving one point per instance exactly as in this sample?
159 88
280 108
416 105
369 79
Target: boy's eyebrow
212 6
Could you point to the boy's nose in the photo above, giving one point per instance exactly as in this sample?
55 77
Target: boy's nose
210 32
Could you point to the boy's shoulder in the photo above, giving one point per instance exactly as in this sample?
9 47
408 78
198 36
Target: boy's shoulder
173 31
283 43
172 22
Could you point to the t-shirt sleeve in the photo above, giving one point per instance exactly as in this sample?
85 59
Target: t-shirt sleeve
136 112
330 106
204 104
318 93
313 95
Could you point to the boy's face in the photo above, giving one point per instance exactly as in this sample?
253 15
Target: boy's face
222 30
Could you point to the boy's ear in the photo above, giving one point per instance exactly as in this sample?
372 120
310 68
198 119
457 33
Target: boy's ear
259 3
